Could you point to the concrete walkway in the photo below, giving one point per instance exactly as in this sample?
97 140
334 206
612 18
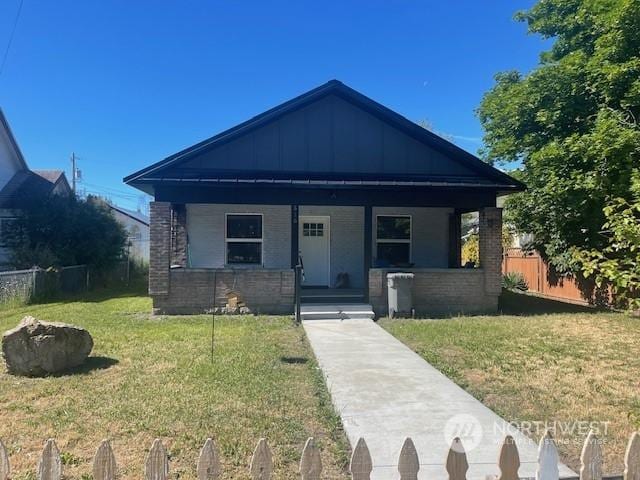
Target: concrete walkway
385 392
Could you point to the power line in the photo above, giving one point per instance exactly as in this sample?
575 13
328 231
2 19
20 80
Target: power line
13 31
111 194
112 189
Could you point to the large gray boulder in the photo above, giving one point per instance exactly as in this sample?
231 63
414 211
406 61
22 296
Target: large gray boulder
36 348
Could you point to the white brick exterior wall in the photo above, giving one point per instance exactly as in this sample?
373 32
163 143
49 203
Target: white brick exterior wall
206 231
429 234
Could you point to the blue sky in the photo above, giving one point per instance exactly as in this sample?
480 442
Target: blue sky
125 83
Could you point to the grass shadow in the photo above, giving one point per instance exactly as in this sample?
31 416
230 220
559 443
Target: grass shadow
524 304
97 295
91 364
294 360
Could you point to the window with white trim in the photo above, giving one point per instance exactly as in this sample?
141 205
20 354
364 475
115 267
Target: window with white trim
393 240
244 239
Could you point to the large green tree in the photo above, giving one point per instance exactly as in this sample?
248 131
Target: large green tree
572 123
62 231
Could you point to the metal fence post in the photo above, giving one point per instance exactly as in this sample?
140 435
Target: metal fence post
34 286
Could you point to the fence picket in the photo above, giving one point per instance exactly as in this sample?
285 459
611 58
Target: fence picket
262 461
547 459
457 464
310 463
104 462
591 458
361 465
50 467
408 463
631 458
509 460
208 461
157 464
5 469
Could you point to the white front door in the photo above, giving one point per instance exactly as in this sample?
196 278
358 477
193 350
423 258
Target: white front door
314 248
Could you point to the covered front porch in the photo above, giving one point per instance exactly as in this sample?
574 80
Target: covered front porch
218 255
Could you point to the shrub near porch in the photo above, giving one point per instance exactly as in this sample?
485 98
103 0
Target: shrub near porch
542 367
263 383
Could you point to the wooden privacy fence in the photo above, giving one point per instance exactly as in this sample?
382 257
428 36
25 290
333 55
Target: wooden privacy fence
536 272
261 467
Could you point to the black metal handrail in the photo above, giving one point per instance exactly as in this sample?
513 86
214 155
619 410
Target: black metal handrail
299 278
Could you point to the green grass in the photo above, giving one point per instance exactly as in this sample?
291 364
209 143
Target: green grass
542 362
153 377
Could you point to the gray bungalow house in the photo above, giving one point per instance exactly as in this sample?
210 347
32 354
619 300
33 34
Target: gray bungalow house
332 177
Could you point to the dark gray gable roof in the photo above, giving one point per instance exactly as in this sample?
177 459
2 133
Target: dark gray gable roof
57 177
24 187
51 175
474 169
137 216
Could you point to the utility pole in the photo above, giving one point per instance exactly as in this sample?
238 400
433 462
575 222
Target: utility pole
73 173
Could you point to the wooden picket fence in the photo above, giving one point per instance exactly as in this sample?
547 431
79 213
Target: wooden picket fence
261 467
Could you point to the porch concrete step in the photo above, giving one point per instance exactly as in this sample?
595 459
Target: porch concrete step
332 295
330 299
328 311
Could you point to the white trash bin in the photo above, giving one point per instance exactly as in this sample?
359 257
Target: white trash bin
400 299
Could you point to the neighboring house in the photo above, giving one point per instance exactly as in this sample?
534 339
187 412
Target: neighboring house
19 184
137 226
352 187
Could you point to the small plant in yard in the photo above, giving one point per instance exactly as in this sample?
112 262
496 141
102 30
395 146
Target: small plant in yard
68 458
514 281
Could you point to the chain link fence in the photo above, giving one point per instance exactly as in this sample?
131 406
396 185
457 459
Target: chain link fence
36 284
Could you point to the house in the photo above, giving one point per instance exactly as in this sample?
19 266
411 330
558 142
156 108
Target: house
137 226
352 187
19 184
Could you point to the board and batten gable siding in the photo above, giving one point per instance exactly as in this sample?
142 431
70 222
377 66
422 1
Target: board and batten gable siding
429 234
206 230
346 242
328 135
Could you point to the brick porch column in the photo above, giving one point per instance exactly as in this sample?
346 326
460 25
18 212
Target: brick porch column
490 243
160 247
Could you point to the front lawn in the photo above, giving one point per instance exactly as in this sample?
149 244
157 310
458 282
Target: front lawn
153 377
542 366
